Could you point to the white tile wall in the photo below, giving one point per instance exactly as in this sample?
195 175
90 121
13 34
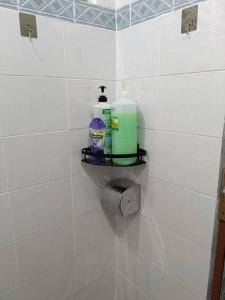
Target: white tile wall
42 251
57 284
163 252
149 281
78 139
196 212
203 51
194 157
43 96
126 290
178 83
192 103
95 264
34 159
92 228
90 52
32 105
138 50
86 196
42 206
101 289
43 57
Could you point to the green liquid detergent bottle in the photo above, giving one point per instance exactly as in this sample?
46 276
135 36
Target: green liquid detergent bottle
124 128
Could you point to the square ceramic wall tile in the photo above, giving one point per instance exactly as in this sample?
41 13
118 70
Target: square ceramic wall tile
93 229
40 207
86 194
203 51
6 229
56 284
147 279
180 257
138 50
126 290
192 103
186 160
194 211
43 56
90 52
185 260
101 289
31 105
82 95
8 268
41 158
78 139
40 252
95 264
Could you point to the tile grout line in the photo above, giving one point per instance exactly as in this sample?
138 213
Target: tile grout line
70 145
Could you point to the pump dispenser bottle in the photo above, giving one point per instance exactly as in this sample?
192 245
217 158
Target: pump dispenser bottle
124 128
102 110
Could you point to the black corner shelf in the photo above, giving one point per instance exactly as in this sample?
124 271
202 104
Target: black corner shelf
107 159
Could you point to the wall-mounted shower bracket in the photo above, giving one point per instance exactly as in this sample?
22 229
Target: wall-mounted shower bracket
28 26
189 19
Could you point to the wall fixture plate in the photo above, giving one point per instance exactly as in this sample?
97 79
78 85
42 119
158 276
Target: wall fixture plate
28 25
189 19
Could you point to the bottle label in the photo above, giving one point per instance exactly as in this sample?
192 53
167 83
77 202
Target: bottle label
115 123
106 111
96 140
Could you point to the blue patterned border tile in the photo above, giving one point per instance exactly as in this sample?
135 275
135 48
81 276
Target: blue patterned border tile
94 15
178 4
81 11
143 10
63 9
123 17
13 4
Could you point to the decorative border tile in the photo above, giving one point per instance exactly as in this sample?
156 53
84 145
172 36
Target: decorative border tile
94 15
143 10
123 17
80 11
178 4
63 9
13 4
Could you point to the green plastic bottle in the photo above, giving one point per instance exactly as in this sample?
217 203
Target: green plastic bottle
124 128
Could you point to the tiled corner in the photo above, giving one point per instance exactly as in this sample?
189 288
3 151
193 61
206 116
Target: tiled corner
57 8
13 4
94 15
147 9
123 17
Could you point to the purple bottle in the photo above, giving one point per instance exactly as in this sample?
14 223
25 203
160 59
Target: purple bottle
97 138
